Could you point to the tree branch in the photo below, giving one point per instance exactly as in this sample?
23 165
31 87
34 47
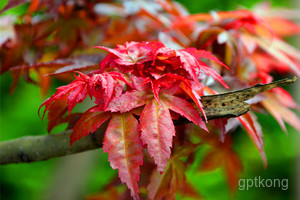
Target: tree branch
38 148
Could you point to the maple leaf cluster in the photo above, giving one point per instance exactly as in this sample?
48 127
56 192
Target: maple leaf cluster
140 87
149 80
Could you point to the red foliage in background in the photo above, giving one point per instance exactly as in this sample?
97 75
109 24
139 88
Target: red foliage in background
141 87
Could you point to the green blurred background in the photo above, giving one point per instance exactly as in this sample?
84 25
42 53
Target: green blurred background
73 177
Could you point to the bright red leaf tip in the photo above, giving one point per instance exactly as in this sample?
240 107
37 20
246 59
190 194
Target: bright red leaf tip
195 97
254 131
204 54
185 109
75 92
198 54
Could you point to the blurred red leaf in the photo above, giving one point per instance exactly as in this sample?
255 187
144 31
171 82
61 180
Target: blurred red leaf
283 27
222 155
172 181
280 112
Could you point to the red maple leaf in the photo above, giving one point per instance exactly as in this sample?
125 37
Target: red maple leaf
125 150
147 75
